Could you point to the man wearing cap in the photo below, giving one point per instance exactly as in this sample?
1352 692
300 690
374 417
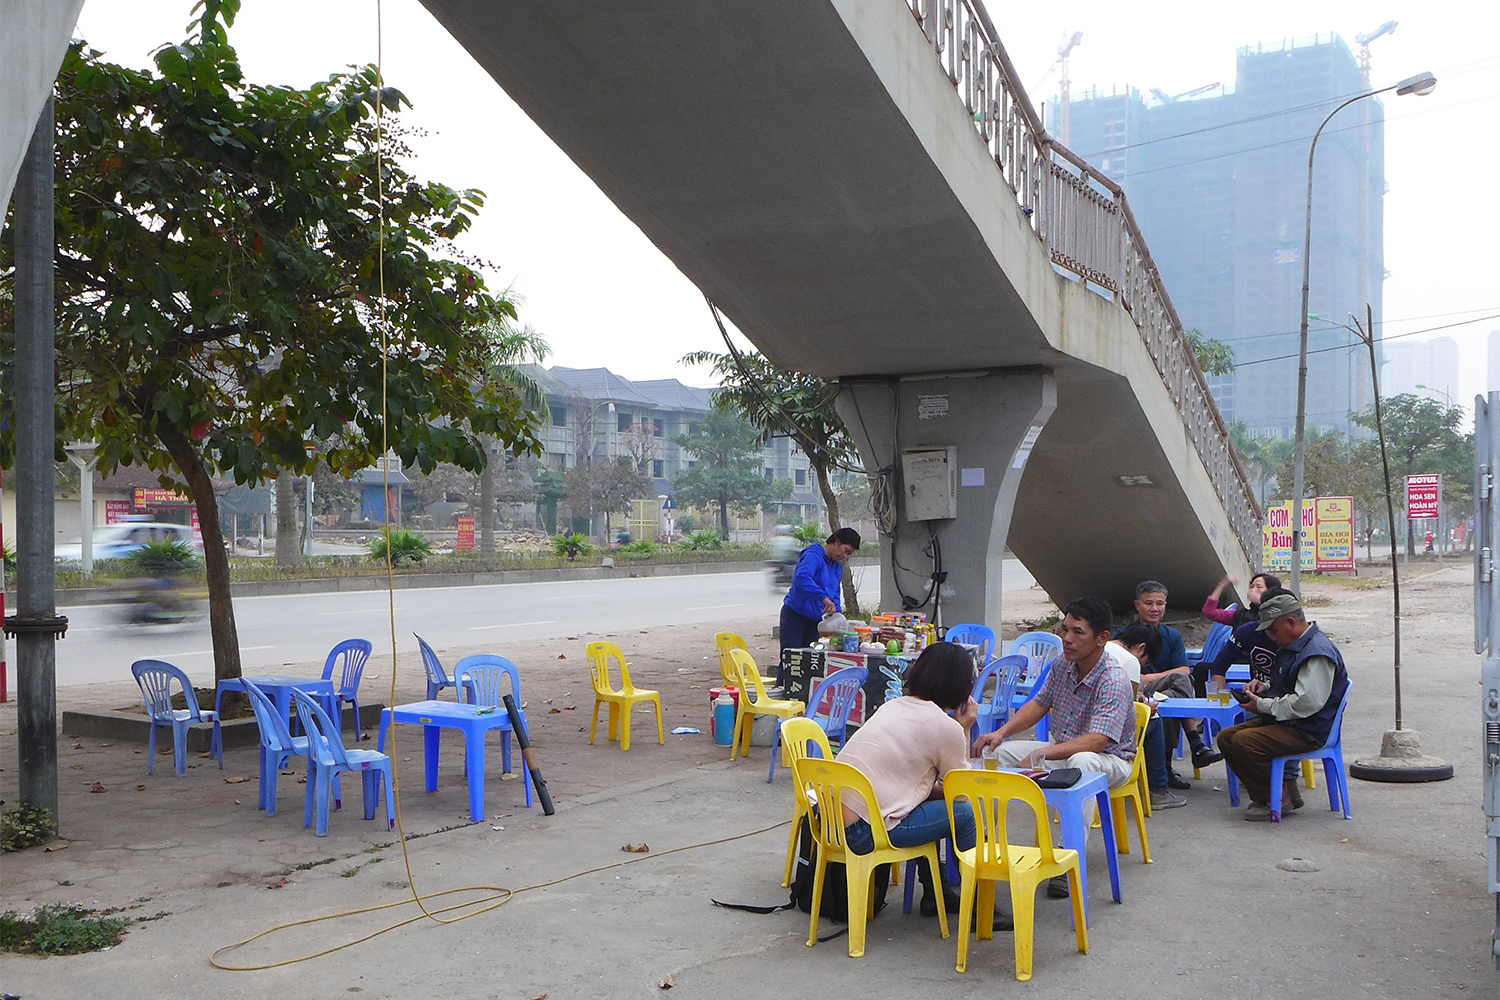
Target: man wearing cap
1294 713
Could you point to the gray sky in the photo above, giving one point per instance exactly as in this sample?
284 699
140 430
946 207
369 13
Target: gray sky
602 294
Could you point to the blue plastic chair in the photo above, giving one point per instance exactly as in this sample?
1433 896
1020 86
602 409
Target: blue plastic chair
1218 635
1040 649
437 677
1043 728
1331 753
327 759
1005 673
277 745
982 636
844 686
481 680
348 658
155 678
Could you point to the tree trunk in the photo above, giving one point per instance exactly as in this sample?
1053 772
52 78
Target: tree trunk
724 515
487 502
835 522
288 551
226 641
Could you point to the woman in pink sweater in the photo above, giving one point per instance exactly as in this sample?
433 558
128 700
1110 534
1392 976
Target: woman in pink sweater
905 748
1259 584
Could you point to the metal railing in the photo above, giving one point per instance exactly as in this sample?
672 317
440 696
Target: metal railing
1083 220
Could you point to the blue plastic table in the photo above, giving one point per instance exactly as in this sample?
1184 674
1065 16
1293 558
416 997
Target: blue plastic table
1221 715
475 721
1070 805
278 688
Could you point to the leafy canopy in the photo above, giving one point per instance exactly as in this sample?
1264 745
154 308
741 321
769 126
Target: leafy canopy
727 471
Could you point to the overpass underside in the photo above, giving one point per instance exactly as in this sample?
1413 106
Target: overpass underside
812 167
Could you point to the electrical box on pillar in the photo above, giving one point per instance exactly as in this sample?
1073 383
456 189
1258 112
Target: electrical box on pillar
929 478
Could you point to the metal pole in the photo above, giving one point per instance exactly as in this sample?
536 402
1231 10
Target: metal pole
1368 336
36 677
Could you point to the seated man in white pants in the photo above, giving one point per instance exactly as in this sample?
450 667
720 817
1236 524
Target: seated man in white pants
1090 705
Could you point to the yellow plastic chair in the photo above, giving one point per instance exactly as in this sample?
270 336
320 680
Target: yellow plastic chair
800 737
726 641
1133 791
748 679
827 782
995 859
622 701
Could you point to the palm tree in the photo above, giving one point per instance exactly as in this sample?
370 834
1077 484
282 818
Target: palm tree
511 346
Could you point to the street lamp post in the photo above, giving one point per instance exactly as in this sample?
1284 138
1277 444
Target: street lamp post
1422 84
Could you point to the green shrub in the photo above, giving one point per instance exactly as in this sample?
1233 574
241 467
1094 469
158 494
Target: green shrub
643 547
404 547
808 533
59 929
163 555
704 540
685 524
572 546
25 826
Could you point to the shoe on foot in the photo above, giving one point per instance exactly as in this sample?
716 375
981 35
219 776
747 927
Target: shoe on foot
1057 887
928 905
1166 800
1177 781
1258 813
1204 757
1291 795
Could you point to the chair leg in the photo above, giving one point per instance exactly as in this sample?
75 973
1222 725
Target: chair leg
1278 772
966 887
179 747
791 848
388 776
1080 920
820 866
614 721
1333 784
775 746
937 883
325 780
1023 915
151 750
625 713
1122 833
595 727
312 791
270 773
1140 828
858 890
1309 774
739 728
661 732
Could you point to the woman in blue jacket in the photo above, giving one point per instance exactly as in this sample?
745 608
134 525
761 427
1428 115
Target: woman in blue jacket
816 590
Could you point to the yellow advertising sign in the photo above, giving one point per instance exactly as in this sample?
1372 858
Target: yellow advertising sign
1328 536
148 497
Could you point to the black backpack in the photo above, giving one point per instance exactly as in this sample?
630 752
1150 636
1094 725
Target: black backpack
835 885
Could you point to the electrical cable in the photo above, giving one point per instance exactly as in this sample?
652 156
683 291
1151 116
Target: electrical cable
1344 347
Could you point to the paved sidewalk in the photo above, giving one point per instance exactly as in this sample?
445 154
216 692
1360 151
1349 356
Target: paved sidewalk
1397 909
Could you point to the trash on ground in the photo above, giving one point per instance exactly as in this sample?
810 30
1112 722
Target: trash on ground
98 787
636 849
236 779
685 730
667 983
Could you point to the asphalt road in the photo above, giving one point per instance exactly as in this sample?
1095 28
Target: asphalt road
275 631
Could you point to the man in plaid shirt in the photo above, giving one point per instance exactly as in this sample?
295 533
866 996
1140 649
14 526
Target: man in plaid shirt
1090 706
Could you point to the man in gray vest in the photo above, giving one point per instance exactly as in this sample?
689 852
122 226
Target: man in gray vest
1292 714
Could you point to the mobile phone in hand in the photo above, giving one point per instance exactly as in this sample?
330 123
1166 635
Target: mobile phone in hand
1240 696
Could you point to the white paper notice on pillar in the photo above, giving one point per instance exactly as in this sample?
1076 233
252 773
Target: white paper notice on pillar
932 407
971 477
1023 450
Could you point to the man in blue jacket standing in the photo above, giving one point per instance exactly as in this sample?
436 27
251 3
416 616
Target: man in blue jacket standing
816 590
1294 713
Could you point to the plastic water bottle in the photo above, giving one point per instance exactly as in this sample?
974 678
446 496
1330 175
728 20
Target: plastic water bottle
723 720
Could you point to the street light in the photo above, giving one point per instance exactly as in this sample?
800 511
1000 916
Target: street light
82 454
1422 84
1433 388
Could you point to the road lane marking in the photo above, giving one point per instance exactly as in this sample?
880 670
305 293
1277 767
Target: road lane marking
357 611
715 607
209 652
478 628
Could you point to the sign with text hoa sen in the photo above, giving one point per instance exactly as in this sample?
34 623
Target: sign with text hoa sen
1422 494
1334 548
465 533
149 497
1276 537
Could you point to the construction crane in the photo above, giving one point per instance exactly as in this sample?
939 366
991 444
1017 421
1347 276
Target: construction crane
1064 97
1364 41
1157 93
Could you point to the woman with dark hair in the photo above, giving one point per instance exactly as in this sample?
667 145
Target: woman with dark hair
905 748
1259 584
816 591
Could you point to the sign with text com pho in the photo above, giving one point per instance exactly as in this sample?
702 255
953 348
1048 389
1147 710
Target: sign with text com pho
1422 494
1327 541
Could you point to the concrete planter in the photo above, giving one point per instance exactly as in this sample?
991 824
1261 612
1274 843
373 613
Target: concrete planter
133 727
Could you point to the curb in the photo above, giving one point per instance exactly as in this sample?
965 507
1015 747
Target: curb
134 727
81 596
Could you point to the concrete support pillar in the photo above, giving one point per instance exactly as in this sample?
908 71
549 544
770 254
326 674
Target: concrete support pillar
993 418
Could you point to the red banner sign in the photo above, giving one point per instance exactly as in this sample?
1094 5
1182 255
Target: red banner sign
1422 494
116 511
147 497
465 533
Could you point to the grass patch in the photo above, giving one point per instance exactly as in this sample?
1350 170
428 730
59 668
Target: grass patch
349 872
59 930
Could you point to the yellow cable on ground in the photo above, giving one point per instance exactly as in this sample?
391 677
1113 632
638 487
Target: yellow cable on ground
497 896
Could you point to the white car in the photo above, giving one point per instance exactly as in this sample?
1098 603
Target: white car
119 540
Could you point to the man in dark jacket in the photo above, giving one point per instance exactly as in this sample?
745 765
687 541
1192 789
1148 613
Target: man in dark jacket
1294 713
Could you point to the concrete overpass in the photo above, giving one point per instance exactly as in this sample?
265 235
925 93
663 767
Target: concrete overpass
864 188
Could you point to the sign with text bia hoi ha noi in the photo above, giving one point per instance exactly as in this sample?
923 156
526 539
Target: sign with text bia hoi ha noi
1327 542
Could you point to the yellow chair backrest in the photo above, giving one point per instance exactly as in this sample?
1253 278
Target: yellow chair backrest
724 642
990 793
747 676
828 782
1142 719
599 654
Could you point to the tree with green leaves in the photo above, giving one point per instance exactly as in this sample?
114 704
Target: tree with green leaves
1214 357
726 474
1424 436
606 488
249 282
782 403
